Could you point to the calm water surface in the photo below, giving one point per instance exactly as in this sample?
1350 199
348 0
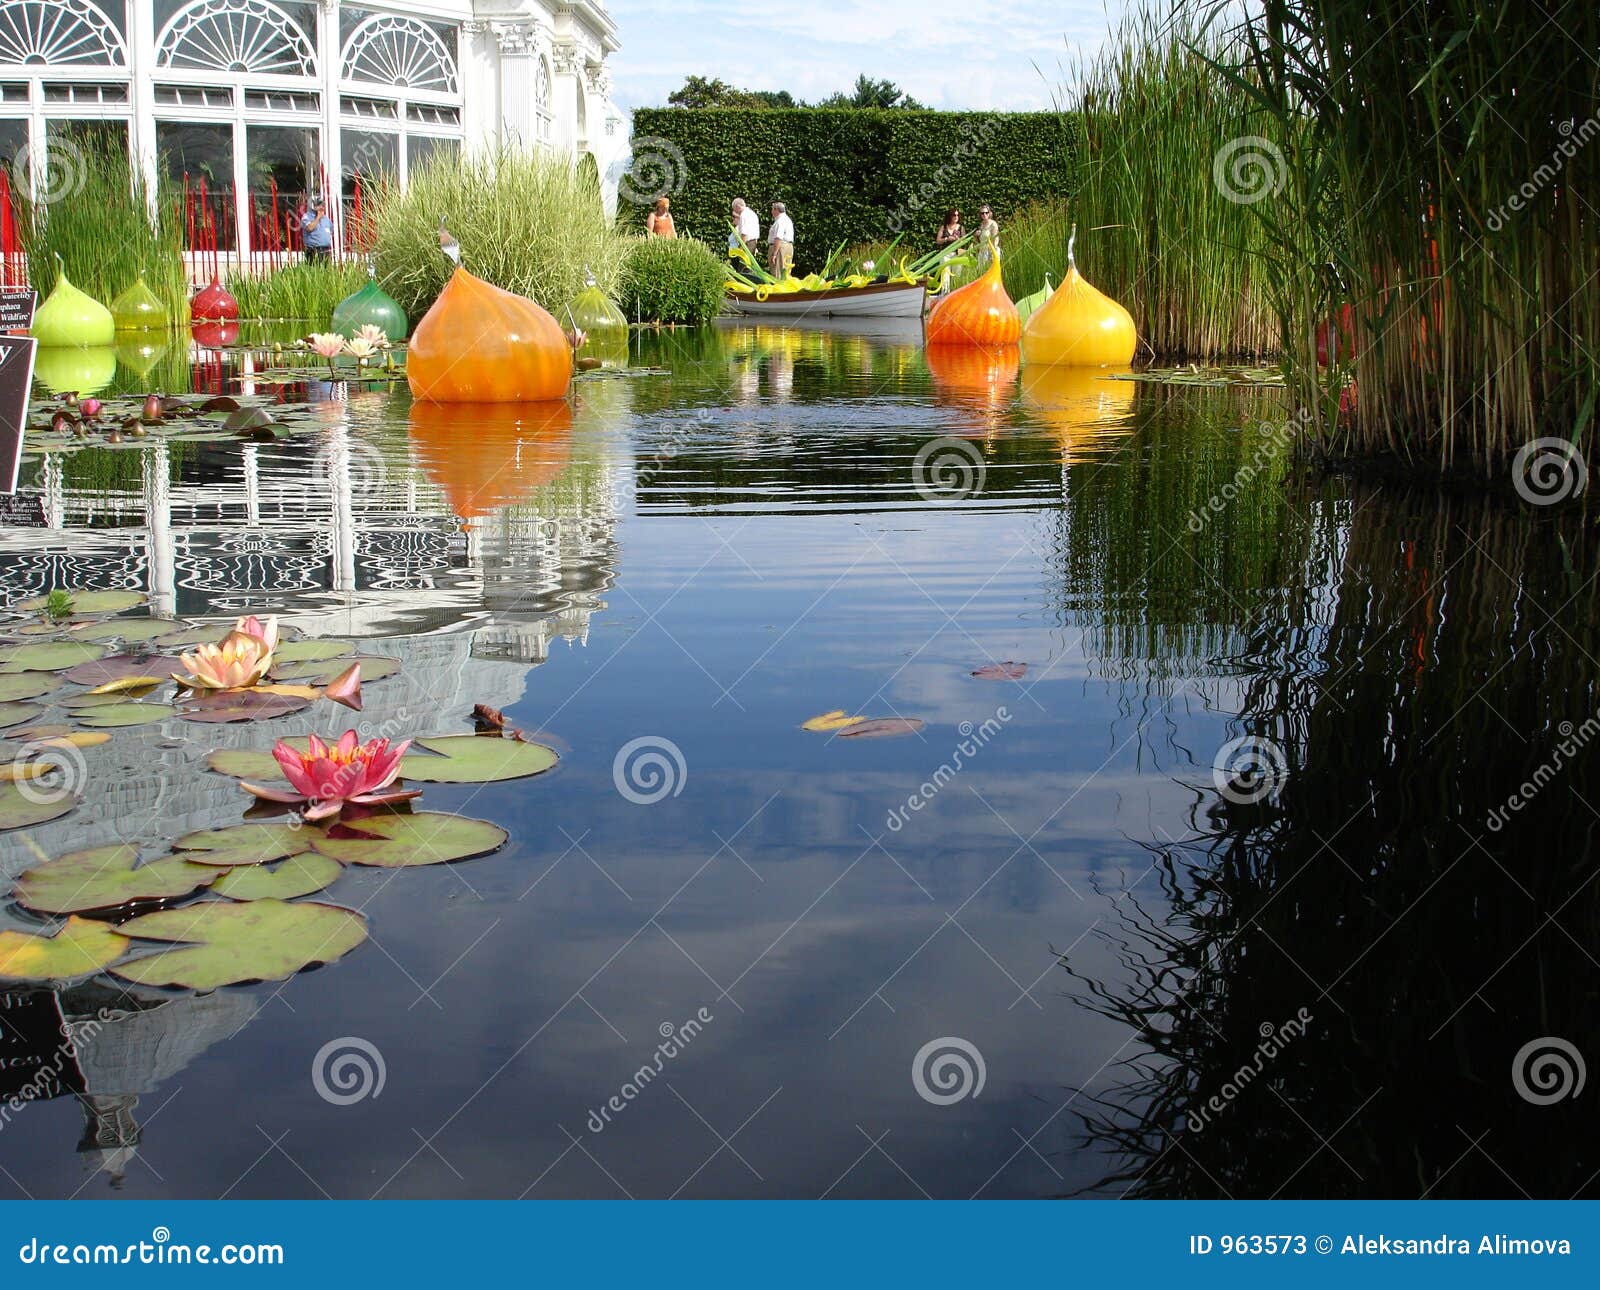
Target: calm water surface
1167 981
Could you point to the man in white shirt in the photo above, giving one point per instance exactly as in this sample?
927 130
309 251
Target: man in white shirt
746 229
780 242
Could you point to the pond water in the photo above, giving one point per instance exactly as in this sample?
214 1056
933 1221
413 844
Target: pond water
1039 946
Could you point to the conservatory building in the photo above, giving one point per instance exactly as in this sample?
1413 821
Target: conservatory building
243 108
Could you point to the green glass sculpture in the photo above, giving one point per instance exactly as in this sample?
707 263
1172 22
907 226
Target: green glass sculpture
83 368
139 354
596 315
371 306
138 309
69 317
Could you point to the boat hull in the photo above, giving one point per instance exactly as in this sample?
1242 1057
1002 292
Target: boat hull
881 300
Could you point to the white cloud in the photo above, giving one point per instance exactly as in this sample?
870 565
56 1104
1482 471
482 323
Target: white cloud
947 53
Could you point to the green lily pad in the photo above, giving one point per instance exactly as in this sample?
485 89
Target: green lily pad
240 705
130 631
397 841
312 650
475 759
102 671
244 844
91 602
20 811
228 944
49 656
189 637
27 685
14 714
297 876
79 948
125 714
105 878
254 764
322 671
87 702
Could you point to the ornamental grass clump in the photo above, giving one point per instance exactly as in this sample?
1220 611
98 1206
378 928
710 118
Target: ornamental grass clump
529 223
304 292
676 280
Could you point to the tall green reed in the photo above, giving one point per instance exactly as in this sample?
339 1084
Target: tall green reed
302 291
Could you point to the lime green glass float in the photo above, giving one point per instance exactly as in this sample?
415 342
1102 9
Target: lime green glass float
371 306
138 309
140 354
69 317
596 315
81 368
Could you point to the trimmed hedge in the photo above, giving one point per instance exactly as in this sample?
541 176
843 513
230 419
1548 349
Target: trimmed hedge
845 175
672 280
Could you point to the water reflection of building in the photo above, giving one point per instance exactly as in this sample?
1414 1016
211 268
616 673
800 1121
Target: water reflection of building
108 1047
335 527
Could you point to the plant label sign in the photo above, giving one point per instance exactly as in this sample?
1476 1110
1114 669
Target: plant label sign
16 308
16 379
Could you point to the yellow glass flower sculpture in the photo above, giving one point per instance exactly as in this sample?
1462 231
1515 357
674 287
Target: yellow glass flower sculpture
1078 326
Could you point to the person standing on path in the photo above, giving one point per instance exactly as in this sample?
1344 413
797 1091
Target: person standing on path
658 222
746 230
316 231
988 237
780 242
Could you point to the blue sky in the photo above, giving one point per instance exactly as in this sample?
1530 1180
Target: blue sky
948 53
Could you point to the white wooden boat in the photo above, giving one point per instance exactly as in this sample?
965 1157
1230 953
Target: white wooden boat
877 300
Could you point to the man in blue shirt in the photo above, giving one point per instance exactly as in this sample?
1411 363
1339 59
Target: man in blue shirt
316 231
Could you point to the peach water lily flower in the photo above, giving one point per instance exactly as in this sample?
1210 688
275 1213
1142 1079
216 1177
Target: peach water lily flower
373 335
265 632
328 776
361 349
329 344
238 662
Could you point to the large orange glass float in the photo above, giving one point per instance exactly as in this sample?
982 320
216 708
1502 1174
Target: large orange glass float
479 344
980 376
980 313
1079 326
1078 406
485 456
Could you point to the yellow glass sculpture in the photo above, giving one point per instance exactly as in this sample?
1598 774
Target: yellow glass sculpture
1078 406
479 344
138 309
1078 326
69 317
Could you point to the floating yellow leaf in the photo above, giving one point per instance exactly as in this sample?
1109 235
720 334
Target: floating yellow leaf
11 772
81 946
60 737
292 691
835 720
132 685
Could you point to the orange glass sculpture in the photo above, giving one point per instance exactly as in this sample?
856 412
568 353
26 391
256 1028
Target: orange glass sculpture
979 376
479 344
1079 326
484 456
980 313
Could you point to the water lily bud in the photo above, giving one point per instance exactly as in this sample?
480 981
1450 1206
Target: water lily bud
61 423
114 437
153 410
90 408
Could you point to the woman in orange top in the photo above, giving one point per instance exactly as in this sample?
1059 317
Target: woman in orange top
659 221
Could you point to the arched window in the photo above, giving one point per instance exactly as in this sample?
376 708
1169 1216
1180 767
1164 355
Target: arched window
235 36
399 52
55 32
544 109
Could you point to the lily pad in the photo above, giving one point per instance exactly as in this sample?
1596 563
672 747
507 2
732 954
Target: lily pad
105 878
19 811
312 649
37 737
397 841
189 637
81 947
131 631
250 763
228 944
125 714
50 656
297 876
14 714
86 702
91 602
837 719
882 728
27 685
245 844
1007 671
474 759
322 671
102 671
240 705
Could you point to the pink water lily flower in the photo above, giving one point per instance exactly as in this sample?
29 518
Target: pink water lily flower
373 335
265 632
238 662
361 349
329 344
328 776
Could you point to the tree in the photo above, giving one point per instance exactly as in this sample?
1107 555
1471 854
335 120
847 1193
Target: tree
871 93
698 92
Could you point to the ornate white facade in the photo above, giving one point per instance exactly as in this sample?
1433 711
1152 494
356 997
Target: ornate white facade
280 95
